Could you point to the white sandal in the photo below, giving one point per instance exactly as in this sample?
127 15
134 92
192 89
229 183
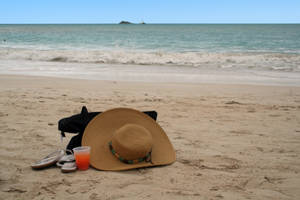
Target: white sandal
67 163
69 167
49 160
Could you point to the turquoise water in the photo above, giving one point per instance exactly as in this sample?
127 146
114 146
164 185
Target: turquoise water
158 37
206 46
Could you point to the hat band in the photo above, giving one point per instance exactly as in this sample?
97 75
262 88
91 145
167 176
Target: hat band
146 158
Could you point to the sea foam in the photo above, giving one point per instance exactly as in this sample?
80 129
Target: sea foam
258 61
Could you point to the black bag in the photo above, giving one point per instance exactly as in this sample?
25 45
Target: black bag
77 124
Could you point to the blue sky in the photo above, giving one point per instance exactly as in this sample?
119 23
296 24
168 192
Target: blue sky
151 11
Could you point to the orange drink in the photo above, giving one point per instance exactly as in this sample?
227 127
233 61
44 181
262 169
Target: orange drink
82 157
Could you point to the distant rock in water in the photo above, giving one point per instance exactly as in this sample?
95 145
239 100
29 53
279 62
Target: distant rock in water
142 22
125 22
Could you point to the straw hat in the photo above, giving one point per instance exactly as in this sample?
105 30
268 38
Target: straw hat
124 138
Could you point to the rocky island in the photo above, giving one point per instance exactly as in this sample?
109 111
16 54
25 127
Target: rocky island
125 22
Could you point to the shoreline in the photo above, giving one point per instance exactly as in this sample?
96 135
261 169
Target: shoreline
152 73
36 78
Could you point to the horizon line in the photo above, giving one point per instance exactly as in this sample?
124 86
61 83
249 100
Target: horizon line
131 23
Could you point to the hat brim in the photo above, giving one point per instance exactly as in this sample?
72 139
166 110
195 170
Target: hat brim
99 132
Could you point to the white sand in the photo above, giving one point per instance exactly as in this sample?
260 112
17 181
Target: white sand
232 141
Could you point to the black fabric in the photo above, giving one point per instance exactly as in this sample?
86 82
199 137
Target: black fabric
77 123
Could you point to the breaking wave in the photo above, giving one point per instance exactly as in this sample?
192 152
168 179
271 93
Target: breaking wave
265 61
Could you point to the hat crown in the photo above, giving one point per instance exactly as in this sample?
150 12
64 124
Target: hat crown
132 141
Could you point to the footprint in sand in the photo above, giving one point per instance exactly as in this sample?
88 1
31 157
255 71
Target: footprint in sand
71 191
15 190
273 180
218 162
94 196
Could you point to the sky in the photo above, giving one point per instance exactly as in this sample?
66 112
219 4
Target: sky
150 11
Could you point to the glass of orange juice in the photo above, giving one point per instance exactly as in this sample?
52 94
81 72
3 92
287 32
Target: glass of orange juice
82 157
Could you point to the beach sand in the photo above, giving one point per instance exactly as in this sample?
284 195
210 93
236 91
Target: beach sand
231 141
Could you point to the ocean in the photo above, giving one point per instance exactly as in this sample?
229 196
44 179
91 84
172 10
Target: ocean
90 48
